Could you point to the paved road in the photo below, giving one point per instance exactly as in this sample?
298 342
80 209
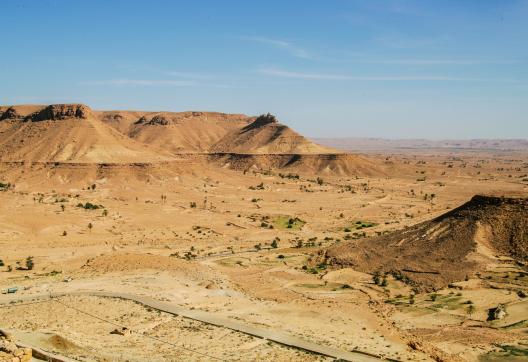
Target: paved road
210 318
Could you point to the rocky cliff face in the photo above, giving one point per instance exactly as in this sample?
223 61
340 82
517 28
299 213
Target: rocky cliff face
60 111
9 113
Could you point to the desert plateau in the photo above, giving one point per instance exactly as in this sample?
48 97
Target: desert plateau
138 236
274 181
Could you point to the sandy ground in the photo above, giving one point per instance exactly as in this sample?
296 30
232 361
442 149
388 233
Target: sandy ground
209 244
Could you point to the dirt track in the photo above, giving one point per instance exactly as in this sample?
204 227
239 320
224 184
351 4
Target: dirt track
209 318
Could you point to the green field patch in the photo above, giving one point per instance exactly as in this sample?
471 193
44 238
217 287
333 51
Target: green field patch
515 277
234 261
288 223
359 225
449 302
398 300
509 353
326 287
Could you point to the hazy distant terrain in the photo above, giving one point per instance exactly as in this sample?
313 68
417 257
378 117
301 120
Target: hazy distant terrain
383 144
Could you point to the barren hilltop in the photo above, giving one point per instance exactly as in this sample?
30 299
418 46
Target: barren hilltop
468 237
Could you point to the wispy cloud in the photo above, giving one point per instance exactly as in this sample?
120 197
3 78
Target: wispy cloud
186 75
435 61
344 77
281 44
150 82
398 41
149 69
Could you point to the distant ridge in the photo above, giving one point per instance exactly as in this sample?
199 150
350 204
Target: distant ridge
74 134
382 144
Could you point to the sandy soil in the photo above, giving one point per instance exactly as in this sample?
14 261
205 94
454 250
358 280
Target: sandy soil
209 244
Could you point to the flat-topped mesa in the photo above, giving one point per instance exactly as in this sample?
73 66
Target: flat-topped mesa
56 112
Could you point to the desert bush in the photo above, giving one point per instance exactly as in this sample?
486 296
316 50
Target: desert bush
89 206
384 282
29 263
5 186
376 278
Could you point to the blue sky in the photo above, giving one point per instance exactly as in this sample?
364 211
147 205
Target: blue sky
333 68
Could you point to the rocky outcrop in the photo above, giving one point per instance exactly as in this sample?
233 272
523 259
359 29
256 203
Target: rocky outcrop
157 120
9 113
56 112
10 352
262 120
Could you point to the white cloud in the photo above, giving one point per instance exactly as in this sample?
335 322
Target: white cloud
281 44
344 77
124 82
186 75
398 41
149 82
438 61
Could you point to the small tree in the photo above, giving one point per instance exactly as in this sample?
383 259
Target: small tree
274 244
105 212
376 278
433 297
64 233
384 282
63 207
90 226
29 263
470 310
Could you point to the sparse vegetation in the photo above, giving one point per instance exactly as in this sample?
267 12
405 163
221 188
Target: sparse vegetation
90 206
29 263
291 223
